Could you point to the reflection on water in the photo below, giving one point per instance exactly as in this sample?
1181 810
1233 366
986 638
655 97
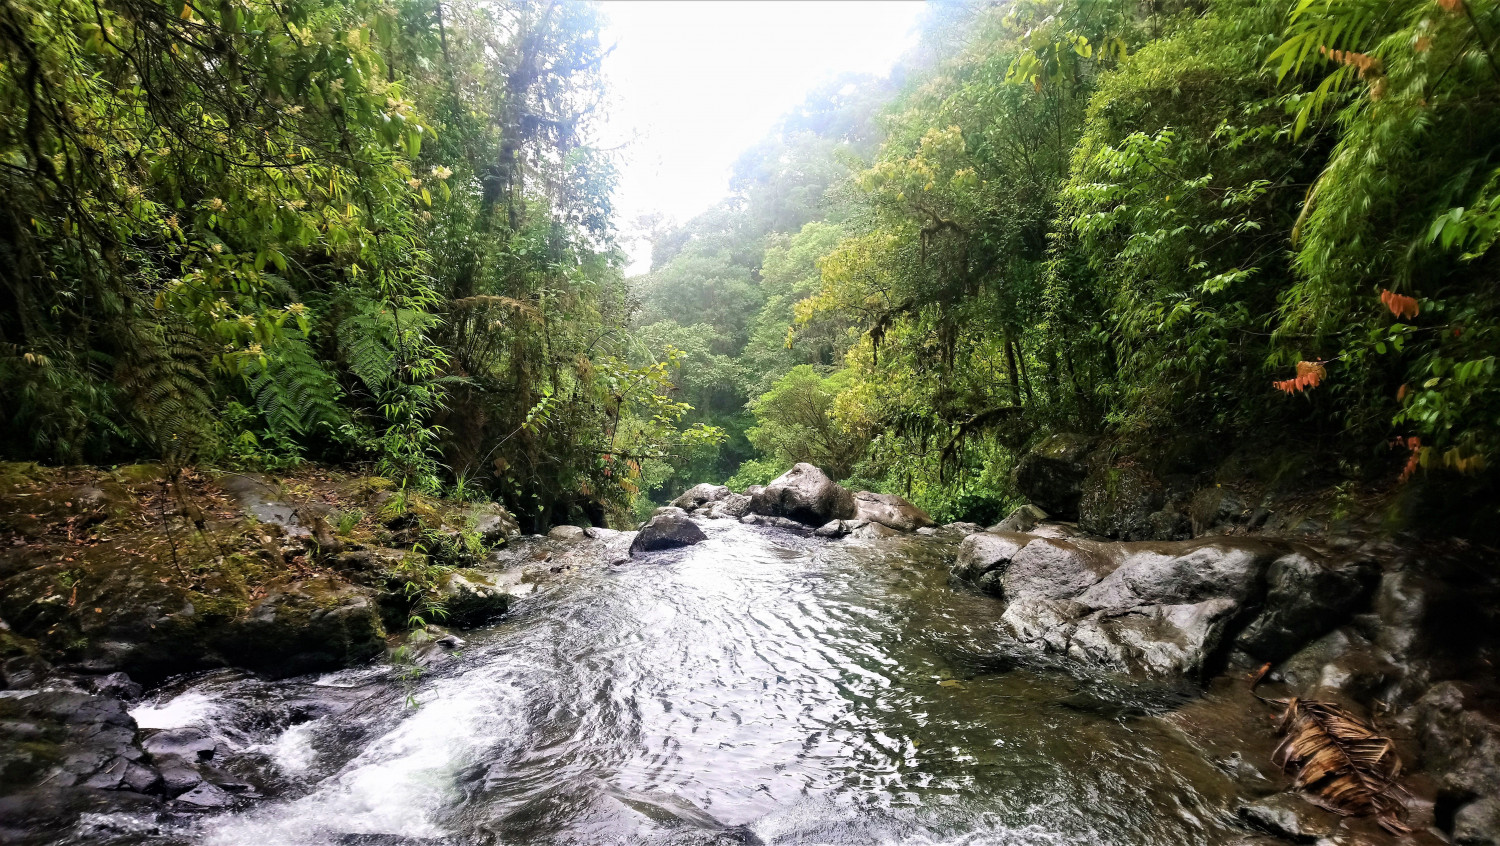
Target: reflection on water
757 686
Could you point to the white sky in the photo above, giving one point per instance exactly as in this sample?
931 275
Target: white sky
694 84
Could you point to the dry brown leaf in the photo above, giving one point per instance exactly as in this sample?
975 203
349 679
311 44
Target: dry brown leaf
1341 763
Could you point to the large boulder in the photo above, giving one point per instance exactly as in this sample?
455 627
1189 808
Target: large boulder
1051 474
1023 519
1164 610
805 494
700 495
891 511
668 528
1118 502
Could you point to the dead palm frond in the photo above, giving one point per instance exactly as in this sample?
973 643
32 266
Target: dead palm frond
1339 762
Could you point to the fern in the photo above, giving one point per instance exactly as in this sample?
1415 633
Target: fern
293 391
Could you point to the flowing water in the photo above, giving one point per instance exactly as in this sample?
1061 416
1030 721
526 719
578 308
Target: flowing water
759 687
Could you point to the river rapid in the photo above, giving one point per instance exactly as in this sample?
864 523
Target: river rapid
757 687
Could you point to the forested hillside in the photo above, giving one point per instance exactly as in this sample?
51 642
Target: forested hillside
1202 231
250 234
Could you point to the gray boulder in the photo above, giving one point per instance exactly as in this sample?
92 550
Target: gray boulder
567 533
1054 569
983 552
1051 474
493 523
734 506
669 528
891 511
700 495
1188 572
805 494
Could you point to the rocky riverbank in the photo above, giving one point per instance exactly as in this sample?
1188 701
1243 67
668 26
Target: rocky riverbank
113 579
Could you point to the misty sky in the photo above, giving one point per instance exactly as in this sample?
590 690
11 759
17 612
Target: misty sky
695 84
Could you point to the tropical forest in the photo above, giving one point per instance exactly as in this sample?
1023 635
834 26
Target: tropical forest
1077 423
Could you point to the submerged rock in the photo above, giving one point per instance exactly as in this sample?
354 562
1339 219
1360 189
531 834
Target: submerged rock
669 528
805 494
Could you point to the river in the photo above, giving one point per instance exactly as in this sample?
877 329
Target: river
758 687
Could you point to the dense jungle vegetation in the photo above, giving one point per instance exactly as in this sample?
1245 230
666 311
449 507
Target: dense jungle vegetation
259 232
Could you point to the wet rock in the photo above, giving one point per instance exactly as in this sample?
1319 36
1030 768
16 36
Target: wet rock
187 744
891 511
831 529
784 523
668 529
1289 817
984 552
566 533
805 494
874 531
1023 519
117 685
960 529
700 495
1340 665
1118 502
1051 474
206 797
598 533
472 598
1053 569
1305 598
1163 641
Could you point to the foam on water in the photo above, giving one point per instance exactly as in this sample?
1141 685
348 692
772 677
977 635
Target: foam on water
191 708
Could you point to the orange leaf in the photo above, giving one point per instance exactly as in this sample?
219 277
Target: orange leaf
1309 375
1400 304
1402 392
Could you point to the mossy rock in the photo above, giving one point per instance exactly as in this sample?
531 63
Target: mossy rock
1118 502
310 626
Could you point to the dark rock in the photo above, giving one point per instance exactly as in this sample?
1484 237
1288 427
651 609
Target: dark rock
960 529
1051 474
832 529
1289 817
1118 502
206 797
1305 598
700 495
1023 519
874 531
668 529
1215 508
1340 665
805 494
1170 524
891 511
1461 743
306 627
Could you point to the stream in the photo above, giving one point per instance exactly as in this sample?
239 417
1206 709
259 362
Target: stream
758 687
